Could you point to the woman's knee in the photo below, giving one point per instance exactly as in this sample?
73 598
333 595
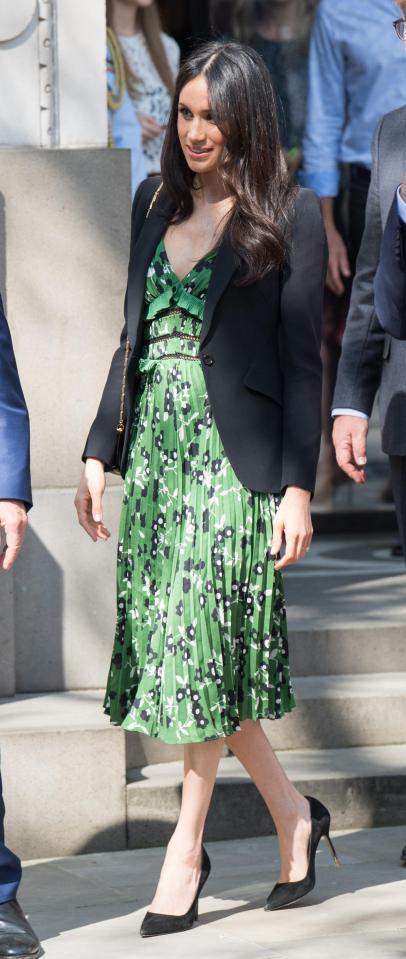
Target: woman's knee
246 726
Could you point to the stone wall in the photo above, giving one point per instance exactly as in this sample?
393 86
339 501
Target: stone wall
64 240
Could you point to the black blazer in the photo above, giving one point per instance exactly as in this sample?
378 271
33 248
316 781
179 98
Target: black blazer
259 349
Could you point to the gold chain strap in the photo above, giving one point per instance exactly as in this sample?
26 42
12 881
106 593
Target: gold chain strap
121 424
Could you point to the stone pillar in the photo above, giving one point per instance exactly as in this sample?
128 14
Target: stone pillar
57 52
64 238
64 234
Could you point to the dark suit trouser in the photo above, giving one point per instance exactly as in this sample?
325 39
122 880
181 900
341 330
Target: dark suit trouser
10 865
398 472
360 179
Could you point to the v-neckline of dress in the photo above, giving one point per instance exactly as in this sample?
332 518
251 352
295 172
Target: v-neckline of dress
206 256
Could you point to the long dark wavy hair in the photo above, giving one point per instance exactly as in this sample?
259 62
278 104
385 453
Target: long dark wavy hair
253 171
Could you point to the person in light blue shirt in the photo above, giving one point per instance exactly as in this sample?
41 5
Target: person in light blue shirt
356 75
124 126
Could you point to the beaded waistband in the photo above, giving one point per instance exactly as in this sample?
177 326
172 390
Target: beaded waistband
169 336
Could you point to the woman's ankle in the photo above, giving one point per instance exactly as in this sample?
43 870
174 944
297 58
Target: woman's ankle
187 847
293 812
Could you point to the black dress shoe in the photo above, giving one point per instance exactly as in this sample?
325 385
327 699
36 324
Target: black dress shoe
285 893
403 856
17 938
161 923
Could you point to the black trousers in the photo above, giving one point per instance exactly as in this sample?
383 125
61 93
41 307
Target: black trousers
398 472
359 180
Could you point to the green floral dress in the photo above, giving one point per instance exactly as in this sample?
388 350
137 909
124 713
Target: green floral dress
201 640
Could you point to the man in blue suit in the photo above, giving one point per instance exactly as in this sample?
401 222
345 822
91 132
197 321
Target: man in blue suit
17 938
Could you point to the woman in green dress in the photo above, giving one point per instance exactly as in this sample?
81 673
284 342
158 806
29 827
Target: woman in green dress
218 466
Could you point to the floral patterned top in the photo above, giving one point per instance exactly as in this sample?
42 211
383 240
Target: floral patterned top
152 97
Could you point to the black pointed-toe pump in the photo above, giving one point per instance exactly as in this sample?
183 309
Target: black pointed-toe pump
285 893
160 923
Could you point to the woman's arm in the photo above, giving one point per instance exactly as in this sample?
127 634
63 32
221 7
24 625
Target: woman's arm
301 311
102 438
99 451
301 314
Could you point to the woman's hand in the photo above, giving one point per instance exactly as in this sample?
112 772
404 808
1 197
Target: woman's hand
294 523
89 498
150 128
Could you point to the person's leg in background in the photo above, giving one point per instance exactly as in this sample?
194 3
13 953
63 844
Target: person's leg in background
335 311
17 938
349 215
398 473
359 180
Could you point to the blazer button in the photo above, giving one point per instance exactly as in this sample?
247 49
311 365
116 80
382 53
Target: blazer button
208 360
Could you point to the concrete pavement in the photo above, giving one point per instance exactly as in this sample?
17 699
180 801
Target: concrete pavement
91 907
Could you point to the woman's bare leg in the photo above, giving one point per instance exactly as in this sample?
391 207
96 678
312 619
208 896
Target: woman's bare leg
289 809
180 872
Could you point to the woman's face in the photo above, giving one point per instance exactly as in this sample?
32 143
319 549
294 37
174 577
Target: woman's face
201 141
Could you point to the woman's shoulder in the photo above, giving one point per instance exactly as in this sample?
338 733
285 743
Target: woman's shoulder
144 195
307 201
306 210
307 234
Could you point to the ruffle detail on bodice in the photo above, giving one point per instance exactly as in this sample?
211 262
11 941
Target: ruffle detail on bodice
174 310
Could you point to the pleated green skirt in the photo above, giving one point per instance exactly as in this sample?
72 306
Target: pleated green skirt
201 637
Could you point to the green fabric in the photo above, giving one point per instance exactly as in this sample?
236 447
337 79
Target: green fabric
201 640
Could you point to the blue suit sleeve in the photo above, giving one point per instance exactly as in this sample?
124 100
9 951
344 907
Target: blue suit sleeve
15 480
390 279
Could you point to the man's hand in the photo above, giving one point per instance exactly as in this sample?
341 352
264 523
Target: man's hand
89 500
403 188
338 262
13 519
350 443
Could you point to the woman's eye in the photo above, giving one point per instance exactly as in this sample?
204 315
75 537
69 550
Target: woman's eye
185 112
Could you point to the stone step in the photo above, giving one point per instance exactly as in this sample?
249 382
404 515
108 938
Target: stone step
64 766
332 712
351 648
63 770
362 786
338 711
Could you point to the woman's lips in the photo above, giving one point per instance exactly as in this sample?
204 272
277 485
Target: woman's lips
198 154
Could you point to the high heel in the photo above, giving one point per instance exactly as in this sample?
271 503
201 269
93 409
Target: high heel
285 893
160 923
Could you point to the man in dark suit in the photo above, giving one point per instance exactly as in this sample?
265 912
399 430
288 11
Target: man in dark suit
371 357
17 938
390 280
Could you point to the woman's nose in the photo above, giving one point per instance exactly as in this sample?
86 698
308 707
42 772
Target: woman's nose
196 129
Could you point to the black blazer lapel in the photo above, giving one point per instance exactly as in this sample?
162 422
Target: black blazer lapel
225 265
150 234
